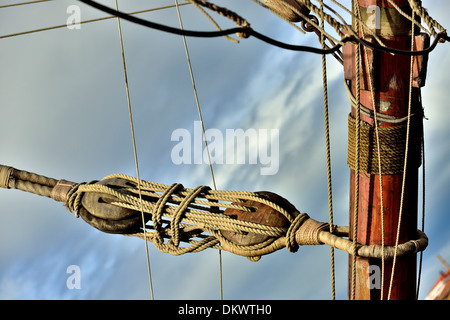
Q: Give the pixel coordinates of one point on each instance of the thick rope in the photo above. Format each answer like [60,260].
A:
[389,153]
[356,148]
[174,213]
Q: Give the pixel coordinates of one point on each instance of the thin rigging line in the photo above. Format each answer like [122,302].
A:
[377,135]
[408,128]
[327,139]
[203,130]
[22,3]
[87,21]
[135,153]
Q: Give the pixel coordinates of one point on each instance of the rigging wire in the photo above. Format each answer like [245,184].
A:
[22,3]
[442,36]
[328,152]
[376,115]
[408,128]
[86,21]
[135,152]
[191,73]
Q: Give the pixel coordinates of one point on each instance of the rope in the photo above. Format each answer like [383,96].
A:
[240,22]
[382,149]
[376,116]
[328,152]
[173,213]
[198,6]
[423,14]
[6,176]
[278,14]
[245,31]
[356,148]
[286,9]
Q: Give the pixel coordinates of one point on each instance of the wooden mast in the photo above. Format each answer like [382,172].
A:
[391,78]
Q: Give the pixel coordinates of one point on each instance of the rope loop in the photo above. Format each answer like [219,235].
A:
[291,243]
[249,224]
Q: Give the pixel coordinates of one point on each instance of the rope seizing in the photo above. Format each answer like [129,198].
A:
[181,220]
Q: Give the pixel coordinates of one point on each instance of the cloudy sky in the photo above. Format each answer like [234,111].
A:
[65,115]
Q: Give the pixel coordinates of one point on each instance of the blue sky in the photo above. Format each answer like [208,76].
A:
[64,115]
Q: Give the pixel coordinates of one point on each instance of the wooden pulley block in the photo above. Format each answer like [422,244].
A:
[100,213]
[282,8]
[99,204]
[260,213]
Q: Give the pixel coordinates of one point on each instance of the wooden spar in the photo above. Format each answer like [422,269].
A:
[391,79]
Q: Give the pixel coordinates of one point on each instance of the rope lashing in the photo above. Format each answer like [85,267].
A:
[181,220]
[233,16]
[392,146]
[290,10]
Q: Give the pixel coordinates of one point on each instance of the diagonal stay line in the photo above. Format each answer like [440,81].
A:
[203,130]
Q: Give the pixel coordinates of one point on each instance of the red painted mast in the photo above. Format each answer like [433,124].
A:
[390,76]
